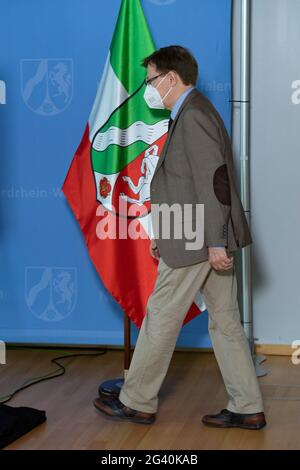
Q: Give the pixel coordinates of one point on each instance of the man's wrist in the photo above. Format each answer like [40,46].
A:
[217,246]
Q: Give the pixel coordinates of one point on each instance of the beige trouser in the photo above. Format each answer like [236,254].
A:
[175,290]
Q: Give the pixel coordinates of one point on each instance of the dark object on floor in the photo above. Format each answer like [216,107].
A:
[111,388]
[15,422]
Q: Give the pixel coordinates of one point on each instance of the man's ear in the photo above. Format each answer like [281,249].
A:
[174,77]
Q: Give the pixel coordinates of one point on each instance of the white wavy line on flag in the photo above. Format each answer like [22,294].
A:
[110,94]
[124,137]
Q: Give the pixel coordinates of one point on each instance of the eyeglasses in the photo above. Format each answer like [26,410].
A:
[149,80]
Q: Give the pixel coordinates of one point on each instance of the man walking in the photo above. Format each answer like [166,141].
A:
[196,167]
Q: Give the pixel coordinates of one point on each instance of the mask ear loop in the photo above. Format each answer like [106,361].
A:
[161,81]
[167,94]
[167,91]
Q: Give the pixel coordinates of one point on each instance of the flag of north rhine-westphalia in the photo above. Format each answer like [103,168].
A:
[111,170]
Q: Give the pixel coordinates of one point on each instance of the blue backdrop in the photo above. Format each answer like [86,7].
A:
[49,289]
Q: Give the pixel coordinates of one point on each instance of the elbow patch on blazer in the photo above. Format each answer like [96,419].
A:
[221,185]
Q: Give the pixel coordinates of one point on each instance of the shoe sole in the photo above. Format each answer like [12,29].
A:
[251,428]
[118,418]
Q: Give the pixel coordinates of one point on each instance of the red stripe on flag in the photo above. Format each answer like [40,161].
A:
[124,265]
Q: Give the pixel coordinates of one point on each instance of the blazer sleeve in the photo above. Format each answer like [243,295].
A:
[204,150]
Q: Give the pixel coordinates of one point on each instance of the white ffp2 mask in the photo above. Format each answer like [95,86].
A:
[153,98]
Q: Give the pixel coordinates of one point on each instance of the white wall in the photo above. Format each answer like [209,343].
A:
[275,165]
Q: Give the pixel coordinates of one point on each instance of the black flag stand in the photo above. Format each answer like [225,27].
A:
[112,387]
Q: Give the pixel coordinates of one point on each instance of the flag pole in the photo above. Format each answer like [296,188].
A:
[112,387]
[127,344]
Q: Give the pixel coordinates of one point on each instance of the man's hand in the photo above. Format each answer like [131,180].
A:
[154,250]
[219,259]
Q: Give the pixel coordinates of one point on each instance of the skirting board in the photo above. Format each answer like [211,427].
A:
[274,349]
[267,349]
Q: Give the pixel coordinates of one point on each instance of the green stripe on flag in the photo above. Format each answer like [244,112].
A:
[112,148]
[113,158]
[132,42]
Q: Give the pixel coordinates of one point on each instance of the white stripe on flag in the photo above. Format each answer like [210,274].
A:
[138,131]
[110,94]
[200,302]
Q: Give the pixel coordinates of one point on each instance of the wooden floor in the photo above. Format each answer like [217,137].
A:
[193,387]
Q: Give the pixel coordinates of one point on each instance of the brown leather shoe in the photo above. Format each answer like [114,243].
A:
[228,419]
[114,408]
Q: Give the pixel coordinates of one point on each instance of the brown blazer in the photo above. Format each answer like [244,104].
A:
[196,166]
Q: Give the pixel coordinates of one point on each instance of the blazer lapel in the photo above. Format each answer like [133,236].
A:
[165,147]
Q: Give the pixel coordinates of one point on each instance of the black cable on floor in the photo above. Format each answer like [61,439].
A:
[52,375]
